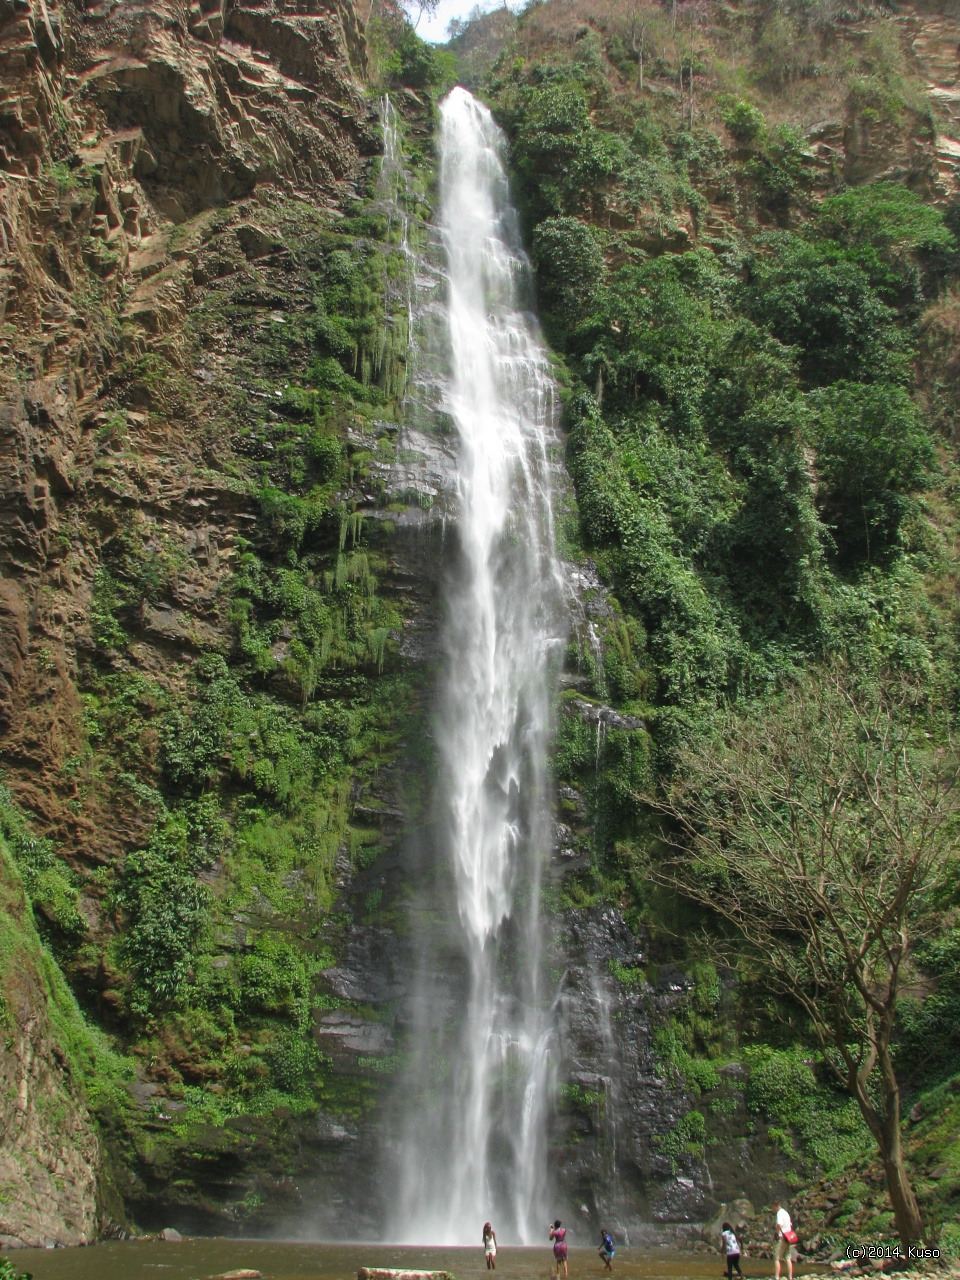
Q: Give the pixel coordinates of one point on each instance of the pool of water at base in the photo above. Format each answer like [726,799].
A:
[196,1259]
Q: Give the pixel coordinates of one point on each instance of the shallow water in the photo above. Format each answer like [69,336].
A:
[198,1258]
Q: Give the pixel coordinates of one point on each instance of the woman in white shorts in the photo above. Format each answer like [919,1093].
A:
[490,1246]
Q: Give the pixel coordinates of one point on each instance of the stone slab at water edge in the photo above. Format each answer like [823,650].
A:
[387,1273]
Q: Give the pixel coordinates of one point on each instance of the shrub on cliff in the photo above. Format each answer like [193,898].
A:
[902,243]
[562,160]
[9,1272]
[414,64]
[873,454]
[570,270]
[166,910]
[815,297]
[745,121]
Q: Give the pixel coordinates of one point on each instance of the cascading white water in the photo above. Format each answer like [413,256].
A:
[482,1073]
[393,192]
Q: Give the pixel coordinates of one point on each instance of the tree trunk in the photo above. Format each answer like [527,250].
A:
[885,1127]
[906,1211]
[690,93]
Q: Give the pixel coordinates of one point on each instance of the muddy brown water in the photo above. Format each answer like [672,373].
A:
[195,1259]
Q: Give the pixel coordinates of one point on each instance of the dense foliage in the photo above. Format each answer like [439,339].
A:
[9,1272]
[236,763]
[757,335]
[758,477]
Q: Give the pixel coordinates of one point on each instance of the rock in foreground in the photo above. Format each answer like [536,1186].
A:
[387,1273]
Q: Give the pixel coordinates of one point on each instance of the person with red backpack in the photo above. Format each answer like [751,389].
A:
[786,1238]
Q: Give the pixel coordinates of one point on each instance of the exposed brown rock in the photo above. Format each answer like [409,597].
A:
[114,119]
[131,136]
[50,1155]
[13,642]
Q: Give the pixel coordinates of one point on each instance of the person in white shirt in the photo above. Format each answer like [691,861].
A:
[490,1246]
[783,1247]
[731,1247]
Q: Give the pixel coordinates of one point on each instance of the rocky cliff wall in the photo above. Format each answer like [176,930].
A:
[218,564]
[153,157]
[117,121]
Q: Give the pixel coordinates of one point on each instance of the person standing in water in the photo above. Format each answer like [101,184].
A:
[731,1247]
[490,1246]
[558,1235]
[783,1241]
[606,1249]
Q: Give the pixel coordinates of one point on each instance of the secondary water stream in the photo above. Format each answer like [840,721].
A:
[482,1075]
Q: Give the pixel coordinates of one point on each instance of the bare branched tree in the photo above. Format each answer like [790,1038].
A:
[689,17]
[428,7]
[822,834]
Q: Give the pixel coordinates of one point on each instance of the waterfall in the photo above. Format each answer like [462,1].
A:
[481,1073]
[394,195]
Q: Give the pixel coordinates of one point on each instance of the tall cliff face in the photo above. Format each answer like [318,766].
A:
[219,554]
[169,177]
[118,122]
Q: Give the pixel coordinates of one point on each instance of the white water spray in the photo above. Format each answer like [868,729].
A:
[473,1142]
[394,193]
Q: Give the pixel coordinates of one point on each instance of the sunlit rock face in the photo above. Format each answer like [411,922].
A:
[145,150]
[117,121]
[227,95]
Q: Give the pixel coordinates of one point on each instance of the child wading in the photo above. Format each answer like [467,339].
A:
[606,1249]
[490,1246]
[731,1248]
[558,1235]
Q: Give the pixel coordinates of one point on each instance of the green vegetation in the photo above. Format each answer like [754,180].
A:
[759,472]
[685,1139]
[93,1071]
[927,1046]
[757,339]
[821,833]
[802,1110]
[239,746]
[50,887]
[400,59]
[9,1272]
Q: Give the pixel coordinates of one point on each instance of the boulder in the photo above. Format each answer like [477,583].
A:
[388,1273]
[736,1212]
